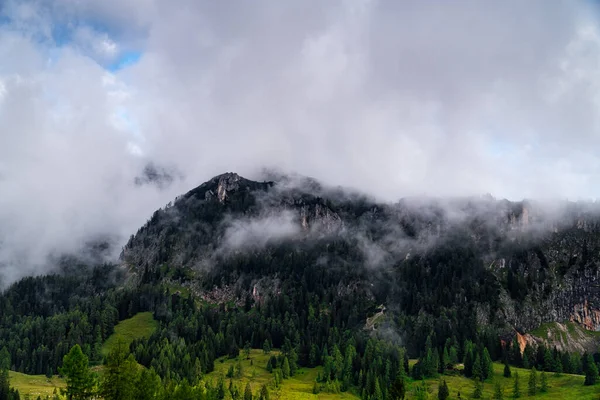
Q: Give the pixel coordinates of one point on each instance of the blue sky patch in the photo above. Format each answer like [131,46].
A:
[124,60]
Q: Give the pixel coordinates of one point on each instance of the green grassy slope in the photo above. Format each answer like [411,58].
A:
[254,371]
[35,385]
[563,387]
[141,325]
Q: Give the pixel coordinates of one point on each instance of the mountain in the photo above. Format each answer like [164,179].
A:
[457,267]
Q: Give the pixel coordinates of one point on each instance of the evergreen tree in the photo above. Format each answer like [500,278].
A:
[285,369]
[591,370]
[248,392]
[468,360]
[398,389]
[532,386]
[478,391]
[264,393]
[498,392]
[487,366]
[377,394]
[516,387]
[446,362]
[443,391]
[120,374]
[4,384]
[477,370]
[267,347]
[543,382]
[549,362]
[80,382]
[506,370]
[149,385]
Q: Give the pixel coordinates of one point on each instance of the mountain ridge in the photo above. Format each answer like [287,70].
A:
[507,265]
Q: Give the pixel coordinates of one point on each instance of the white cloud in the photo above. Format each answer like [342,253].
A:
[395,98]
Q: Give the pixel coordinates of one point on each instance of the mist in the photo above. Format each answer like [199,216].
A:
[394,99]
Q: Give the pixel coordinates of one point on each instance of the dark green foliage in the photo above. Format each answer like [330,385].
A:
[443,391]
[478,390]
[591,370]
[507,372]
[248,392]
[398,389]
[543,382]
[75,369]
[516,393]
[498,392]
[120,375]
[532,384]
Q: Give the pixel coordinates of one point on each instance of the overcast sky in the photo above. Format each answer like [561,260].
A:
[395,98]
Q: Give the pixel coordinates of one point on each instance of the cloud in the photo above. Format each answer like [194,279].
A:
[393,98]
[259,231]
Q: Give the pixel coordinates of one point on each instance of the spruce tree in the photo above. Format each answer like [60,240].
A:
[498,392]
[532,386]
[266,347]
[591,371]
[443,391]
[120,374]
[507,372]
[398,389]
[248,392]
[264,393]
[543,382]
[477,370]
[478,392]
[516,387]
[4,384]
[487,366]
[80,382]
[285,369]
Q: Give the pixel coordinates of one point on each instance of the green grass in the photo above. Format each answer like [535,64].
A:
[35,385]
[139,326]
[254,371]
[563,387]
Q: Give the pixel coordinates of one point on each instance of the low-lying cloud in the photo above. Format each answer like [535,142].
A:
[393,98]
[256,232]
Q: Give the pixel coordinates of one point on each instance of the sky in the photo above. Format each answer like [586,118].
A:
[392,98]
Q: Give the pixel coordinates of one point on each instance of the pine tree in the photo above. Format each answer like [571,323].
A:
[80,382]
[498,392]
[477,370]
[398,389]
[377,394]
[149,385]
[532,386]
[487,366]
[591,371]
[507,372]
[543,382]
[248,392]
[120,374]
[443,391]
[264,393]
[516,387]
[478,392]
[468,360]
[285,369]
[267,347]
[446,362]
[4,384]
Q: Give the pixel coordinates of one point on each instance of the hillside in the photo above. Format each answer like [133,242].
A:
[345,287]
[471,261]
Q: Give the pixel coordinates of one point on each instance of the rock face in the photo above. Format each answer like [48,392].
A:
[543,259]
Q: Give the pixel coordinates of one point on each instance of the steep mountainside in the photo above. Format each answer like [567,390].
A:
[452,266]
